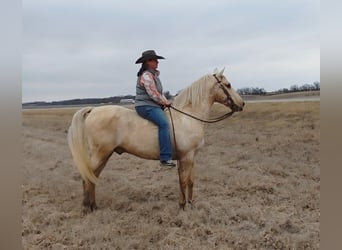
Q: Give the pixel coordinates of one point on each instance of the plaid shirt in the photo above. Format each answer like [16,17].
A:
[147,81]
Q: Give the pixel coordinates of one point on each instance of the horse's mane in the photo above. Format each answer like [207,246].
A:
[192,95]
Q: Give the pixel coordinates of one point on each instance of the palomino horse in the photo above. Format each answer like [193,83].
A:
[97,132]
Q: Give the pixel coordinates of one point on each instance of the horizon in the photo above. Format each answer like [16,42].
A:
[126,95]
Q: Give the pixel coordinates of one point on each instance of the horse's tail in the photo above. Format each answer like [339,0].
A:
[78,147]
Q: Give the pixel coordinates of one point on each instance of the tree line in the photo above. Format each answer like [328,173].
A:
[84,101]
[293,88]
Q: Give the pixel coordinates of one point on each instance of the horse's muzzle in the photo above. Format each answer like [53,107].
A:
[229,102]
[237,108]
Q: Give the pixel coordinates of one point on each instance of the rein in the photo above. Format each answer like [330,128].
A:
[217,119]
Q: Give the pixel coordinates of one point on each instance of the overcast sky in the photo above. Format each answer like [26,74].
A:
[82,48]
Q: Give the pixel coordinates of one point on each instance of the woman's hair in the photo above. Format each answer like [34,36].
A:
[142,69]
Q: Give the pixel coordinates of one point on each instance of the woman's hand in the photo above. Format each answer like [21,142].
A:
[168,103]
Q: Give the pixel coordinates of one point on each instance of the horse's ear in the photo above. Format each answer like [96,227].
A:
[215,71]
[221,72]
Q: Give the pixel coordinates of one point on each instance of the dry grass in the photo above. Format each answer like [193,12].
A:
[257,186]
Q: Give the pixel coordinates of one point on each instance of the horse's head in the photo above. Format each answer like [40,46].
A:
[224,93]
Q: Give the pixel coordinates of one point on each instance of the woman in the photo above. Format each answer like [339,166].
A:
[150,101]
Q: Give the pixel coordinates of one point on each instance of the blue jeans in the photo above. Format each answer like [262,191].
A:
[158,117]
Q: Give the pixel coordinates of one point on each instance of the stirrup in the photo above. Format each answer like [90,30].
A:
[167,163]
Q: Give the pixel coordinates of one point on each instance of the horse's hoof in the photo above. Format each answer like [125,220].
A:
[89,207]
[86,210]
[93,207]
[192,204]
[182,205]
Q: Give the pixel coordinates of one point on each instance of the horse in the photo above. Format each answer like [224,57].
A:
[96,133]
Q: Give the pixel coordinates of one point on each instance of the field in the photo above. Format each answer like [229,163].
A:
[257,186]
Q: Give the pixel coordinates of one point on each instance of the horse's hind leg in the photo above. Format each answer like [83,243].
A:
[89,203]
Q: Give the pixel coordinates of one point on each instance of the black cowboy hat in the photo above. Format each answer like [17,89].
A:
[148,55]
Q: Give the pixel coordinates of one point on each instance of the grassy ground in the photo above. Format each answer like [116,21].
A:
[257,186]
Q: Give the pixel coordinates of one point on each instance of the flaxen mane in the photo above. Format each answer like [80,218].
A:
[193,94]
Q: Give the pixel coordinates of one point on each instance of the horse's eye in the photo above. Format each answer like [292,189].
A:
[229,86]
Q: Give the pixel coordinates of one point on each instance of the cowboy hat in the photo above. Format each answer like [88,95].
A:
[148,55]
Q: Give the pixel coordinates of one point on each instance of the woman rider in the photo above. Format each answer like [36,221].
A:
[150,102]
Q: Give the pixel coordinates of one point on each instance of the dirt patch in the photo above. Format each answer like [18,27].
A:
[257,186]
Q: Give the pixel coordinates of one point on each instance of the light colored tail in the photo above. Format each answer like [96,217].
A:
[78,147]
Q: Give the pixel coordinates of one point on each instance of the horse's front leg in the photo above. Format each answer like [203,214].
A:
[182,183]
[184,172]
[190,186]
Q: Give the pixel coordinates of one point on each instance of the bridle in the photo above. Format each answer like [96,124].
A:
[217,119]
[229,98]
